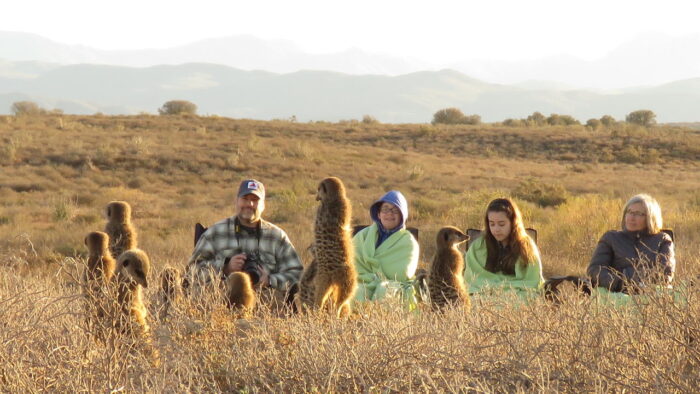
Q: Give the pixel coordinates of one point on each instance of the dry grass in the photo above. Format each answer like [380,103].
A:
[56,177]
[497,347]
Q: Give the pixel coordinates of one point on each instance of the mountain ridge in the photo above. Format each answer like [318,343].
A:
[325,95]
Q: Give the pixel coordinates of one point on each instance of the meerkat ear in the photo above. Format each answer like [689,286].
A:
[446,235]
[85,241]
[109,212]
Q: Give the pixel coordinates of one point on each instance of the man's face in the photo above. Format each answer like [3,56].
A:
[248,208]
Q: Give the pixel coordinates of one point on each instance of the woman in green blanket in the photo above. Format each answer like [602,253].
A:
[386,254]
[503,258]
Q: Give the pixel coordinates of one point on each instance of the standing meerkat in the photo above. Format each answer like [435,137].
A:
[240,293]
[335,279]
[132,275]
[133,267]
[445,282]
[122,234]
[97,277]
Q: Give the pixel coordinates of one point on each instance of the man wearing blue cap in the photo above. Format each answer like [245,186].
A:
[245,242]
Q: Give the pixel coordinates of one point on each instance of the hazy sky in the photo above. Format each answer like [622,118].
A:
[435,30]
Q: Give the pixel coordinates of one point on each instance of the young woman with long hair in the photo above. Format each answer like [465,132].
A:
[504,257]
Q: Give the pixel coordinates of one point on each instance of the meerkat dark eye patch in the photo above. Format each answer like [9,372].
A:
[126,263]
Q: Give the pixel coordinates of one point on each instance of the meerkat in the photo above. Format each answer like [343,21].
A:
[335,277]
[305,297]
[445,282]
[97,277]
[133,267]
[240,293]
[122,234]
[132,277]
[171,289]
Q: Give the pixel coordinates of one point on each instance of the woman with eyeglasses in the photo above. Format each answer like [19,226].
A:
[504,258]
[386,254]
[637,256]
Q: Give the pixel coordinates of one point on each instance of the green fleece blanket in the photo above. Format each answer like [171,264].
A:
[386,271]
[606,297]
[480,281]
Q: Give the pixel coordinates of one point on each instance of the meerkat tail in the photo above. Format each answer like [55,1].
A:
[240,293]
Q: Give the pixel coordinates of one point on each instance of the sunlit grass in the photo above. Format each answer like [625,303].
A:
[56,177]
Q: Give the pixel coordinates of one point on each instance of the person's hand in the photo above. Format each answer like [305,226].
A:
[235,264]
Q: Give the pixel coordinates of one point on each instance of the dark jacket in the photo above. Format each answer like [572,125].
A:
[637,257]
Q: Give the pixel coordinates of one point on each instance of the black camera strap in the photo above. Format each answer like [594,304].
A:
[237,228]
[237,224]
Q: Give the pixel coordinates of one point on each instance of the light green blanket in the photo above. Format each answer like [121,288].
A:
[527,279]
[386,271]
[606,297]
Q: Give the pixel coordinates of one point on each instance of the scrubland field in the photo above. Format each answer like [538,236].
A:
[58,172]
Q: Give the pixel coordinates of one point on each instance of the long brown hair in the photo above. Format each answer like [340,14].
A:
[518,240]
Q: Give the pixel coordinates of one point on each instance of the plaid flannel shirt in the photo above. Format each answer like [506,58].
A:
[221,242]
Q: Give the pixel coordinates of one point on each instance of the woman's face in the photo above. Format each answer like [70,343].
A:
[499,225]
[389,216]
[636,217]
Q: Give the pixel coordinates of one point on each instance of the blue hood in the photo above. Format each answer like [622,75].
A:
[395,197]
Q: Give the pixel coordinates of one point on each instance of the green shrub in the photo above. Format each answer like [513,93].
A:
[607,121]
[454,116]
[542,194]
[26,108]
[630,154]
[642,117]
[510,122]
[178,107]
[63,210]
[593,124]
[537,119]
[368,119]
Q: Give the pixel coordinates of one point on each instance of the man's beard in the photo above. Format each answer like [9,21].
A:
[249,216]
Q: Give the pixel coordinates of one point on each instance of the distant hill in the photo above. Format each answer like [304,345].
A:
[646,60]
[244,52]
[321,95]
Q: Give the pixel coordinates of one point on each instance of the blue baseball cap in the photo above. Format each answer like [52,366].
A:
[251,186]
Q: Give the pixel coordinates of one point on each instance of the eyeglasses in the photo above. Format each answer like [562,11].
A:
[393,211]
[636,214]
